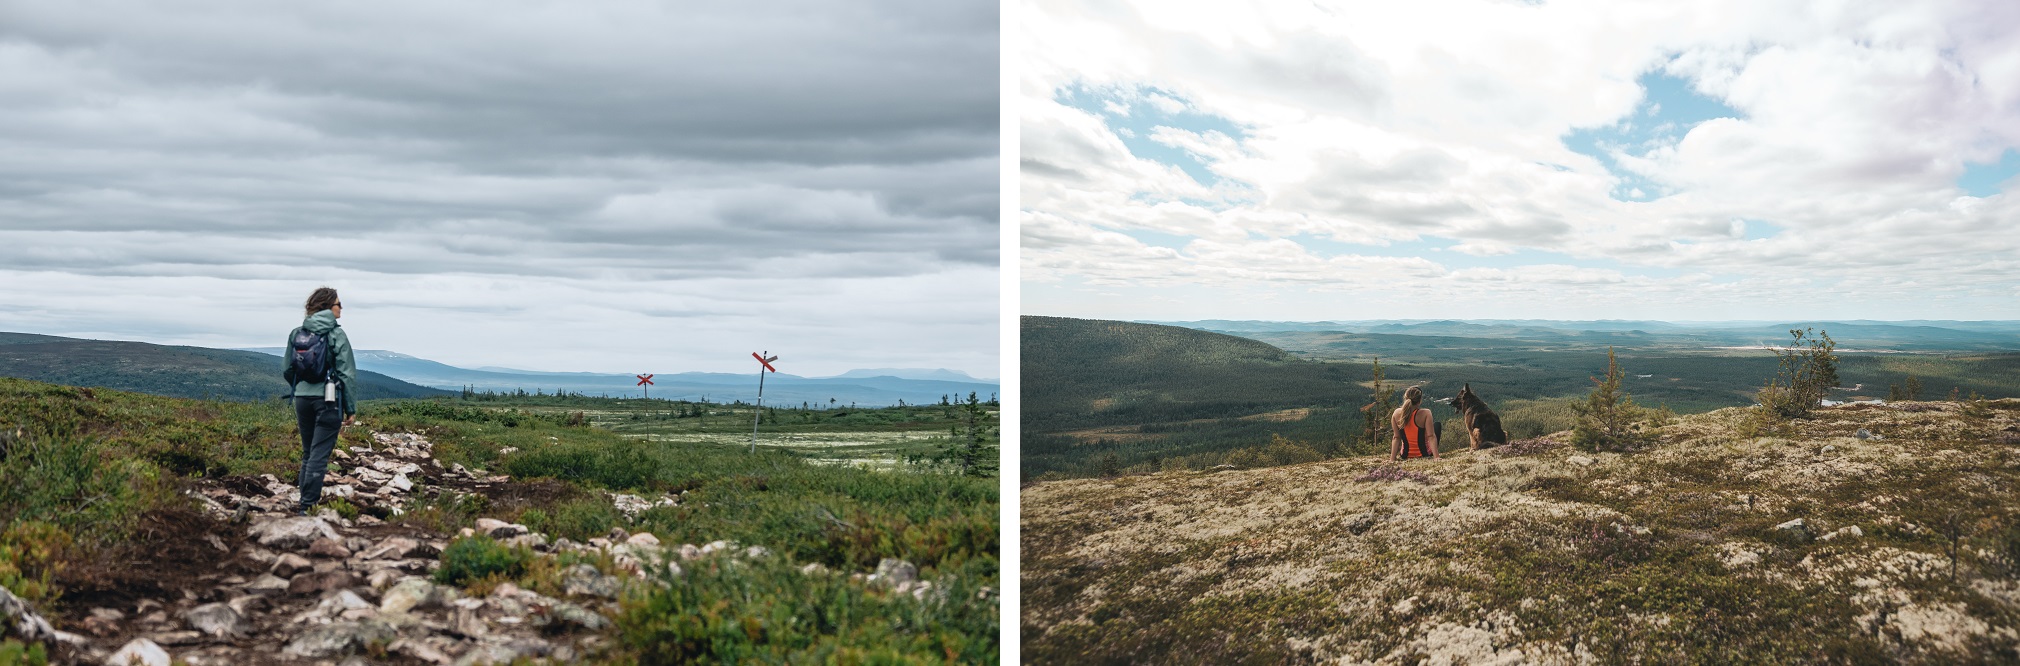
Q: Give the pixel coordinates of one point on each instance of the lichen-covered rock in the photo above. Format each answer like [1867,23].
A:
[891,572]
[292,533]
[415,593]
[216,619]
[339,638]
[583,579]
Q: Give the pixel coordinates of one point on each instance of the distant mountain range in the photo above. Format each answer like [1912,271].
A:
[863,387]
[252,374]
[1868,335]
[184,372]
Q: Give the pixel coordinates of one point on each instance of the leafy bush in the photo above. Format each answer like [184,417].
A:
[13,653]
[1609,420]
[724,610]
[446,511]
[580,520]
[342,506]
[472,558]
[69,482]
[31,555]
[1808,370]
[621,464]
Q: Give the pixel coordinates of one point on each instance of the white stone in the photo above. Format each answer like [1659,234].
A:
[643,539]
[139,652]
[1580,461]
[400,481]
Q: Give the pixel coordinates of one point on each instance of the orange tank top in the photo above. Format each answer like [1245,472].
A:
[1410,428]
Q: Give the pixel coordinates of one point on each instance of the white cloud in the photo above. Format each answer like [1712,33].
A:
[1378,124]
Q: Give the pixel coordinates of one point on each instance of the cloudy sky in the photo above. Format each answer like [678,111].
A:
[1491,159]
[620,186]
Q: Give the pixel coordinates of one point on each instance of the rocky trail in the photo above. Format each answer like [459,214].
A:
[247,582]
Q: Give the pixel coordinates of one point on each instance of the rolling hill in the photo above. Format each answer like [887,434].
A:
[183,372]
[720,387]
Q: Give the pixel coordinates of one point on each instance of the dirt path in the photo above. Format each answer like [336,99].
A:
[245,582]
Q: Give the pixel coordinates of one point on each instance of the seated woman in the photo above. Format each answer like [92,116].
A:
[1414,436]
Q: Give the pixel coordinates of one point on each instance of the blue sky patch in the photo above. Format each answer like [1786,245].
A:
[1669,109]
[1135,116]
[1982,180]
[1757,230]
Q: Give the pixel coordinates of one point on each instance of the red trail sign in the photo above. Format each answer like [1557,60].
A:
[645,380]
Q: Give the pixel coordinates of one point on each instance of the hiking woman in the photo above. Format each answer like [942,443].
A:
[315,362]
[1411,423]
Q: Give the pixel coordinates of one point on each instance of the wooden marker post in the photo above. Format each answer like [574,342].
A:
[765,361]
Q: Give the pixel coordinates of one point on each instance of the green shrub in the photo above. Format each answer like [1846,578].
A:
[31,555]
[622,464]
[580,520]
[1806,374]
[470,559]
[446,511]
[342,506]
[13,653]
[68,481]
[725,610]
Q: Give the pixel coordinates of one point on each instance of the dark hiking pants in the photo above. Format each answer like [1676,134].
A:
[319,422]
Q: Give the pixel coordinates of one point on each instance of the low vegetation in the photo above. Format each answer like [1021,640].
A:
[1704,546]
[83,472]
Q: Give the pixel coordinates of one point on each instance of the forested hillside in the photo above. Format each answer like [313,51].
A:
[182,372]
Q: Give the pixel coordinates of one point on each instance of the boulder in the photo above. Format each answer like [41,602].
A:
[1796,525]
[1580,461]
[534,540]
[267,584]
[894,571]
[321,582]
[498,529]
[215,619]
[413,593]
[583,579]
[393,548]
[339,638]
[330,548]
[567,613]
[139,652]
[643,539]
[401,483]
[289,564]
[292,533]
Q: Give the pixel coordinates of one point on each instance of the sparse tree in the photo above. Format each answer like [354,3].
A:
[1914,387]
[1375,415]
[1608,419]
[1808,371]
[968,448]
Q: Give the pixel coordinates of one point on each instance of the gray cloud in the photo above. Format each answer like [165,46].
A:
[623,147]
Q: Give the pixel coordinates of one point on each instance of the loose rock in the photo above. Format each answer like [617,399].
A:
[139,652]
[216,619]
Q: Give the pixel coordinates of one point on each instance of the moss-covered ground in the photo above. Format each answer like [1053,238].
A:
[1908,552]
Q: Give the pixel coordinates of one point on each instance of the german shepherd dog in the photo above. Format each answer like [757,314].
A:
[1481,423]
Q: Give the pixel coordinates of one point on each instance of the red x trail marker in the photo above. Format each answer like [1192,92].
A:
[766,361]
[645,380]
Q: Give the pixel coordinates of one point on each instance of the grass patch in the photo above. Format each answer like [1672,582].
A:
[728,610]
[474,558]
